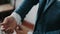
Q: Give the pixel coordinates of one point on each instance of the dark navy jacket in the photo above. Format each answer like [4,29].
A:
[48,15]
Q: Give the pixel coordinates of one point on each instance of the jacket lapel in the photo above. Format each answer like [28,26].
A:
[48,4]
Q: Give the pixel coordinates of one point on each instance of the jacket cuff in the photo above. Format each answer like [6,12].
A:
[17,17]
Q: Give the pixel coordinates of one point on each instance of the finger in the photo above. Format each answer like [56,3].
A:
[5,21]
[9,30]
[2,28]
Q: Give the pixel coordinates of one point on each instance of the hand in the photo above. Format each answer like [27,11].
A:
[20,30]
[9,24]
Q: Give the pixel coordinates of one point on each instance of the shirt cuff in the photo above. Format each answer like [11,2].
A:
[17,17]
[30,32]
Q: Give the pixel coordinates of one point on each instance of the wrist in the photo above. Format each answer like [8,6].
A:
[17,17]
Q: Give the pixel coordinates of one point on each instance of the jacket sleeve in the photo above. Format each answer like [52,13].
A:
[25,7]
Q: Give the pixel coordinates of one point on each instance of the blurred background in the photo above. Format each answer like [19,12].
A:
[8,6]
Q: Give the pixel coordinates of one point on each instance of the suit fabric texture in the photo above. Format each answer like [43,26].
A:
[48,15]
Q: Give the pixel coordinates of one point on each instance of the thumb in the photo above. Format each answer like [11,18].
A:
[5,21]
[2,23]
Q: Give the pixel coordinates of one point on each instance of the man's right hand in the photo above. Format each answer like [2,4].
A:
[8,25]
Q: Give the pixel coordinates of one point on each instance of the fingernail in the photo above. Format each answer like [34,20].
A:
[17,27]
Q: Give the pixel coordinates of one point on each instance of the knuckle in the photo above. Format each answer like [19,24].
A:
[6,18]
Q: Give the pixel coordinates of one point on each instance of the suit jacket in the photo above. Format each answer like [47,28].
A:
[48,15]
